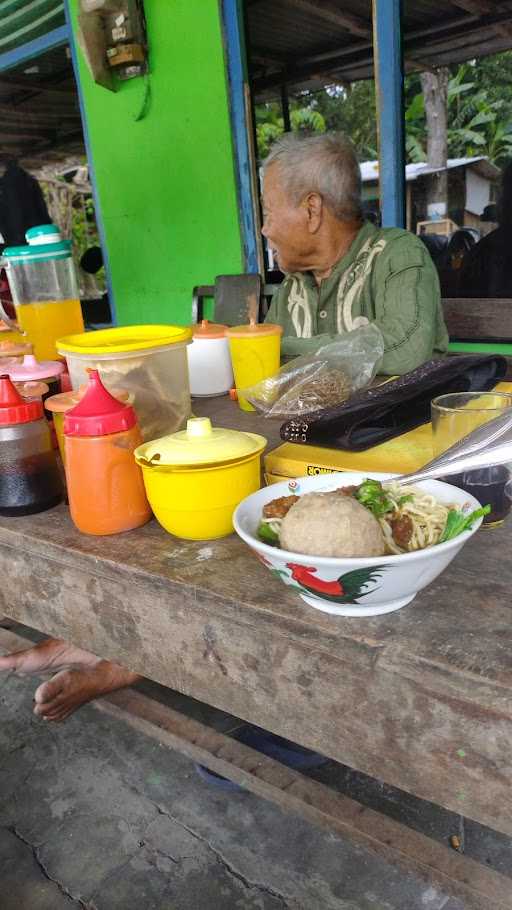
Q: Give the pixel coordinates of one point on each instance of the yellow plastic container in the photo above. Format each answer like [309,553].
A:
[255,355]
[195,479]
[149,361]
[59,405]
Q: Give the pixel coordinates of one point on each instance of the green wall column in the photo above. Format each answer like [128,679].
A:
[166,183]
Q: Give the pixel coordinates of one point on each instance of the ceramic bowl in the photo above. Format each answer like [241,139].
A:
[365,586]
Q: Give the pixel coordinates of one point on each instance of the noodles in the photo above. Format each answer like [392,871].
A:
[427,515]
[409,518]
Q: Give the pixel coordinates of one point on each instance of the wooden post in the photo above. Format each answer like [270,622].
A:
[408,205]
[98,212]
[244,161]
[285,107]
[388,69]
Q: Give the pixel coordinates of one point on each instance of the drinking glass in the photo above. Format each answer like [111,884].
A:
[454,416]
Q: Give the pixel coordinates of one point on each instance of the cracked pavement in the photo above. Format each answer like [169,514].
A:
[96,816]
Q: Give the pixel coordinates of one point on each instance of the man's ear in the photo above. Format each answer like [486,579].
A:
[313,205]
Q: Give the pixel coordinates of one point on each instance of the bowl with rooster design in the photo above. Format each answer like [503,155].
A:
[362,586]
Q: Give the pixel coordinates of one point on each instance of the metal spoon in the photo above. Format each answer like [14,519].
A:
[488,445]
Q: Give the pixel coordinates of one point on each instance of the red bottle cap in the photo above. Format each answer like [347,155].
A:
[14,408]
[98,413]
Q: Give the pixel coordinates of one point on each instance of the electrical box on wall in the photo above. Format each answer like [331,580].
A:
[112,35]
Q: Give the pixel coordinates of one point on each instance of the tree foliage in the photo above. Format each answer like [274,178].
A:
[269,123]
[479,113]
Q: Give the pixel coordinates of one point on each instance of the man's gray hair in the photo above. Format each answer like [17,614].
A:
[325,164]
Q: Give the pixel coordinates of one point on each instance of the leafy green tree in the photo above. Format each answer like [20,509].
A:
[479,123]
[479,113]
[269,124]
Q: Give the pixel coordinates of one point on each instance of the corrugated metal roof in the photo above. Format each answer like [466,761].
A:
[23,20]
[39,108]
[308,44]
[303,43]
[370,169]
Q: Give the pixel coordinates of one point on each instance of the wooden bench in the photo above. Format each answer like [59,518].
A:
[478,324]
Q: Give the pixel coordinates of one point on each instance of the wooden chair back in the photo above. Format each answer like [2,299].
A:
[236,299]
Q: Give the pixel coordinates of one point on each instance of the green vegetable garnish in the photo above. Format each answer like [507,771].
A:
[372,495]
[457,522]
[267,535]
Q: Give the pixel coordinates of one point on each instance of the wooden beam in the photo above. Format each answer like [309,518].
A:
[484,8]
[505,28]
[22,115]
[21,138]
[332,14]
[477,7]
[34,86]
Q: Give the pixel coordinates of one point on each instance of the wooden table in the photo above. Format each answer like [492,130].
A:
[421,699]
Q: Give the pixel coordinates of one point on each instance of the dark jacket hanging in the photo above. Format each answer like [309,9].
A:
[22,204]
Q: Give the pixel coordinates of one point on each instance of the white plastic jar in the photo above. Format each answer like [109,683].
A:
[209,361]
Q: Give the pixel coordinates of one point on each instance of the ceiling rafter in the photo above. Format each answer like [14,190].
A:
[478,7]
[484,8]
[335,16]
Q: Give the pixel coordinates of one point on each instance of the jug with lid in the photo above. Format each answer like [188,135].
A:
[30,480]
[44,288]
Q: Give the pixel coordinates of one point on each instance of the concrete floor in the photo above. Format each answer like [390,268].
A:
[96,816]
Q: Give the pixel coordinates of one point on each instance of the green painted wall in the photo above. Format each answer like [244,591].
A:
[166,184]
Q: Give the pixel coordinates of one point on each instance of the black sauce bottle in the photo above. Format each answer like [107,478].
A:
[30,480]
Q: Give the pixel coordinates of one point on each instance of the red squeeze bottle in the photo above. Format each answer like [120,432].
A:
[105,486]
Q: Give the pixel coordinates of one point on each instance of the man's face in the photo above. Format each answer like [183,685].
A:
[285,225]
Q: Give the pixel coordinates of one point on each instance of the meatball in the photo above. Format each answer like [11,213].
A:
[327,524]
[278,508]
[402,529]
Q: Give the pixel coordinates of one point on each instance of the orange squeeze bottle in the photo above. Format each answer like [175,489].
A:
[105,486]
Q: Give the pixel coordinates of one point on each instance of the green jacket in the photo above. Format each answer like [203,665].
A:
[386,277]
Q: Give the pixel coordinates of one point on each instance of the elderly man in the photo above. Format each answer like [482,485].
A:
[341,272]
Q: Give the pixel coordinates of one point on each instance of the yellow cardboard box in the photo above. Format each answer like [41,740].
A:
[402,454]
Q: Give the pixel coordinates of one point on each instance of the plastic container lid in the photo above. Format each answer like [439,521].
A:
[98,413]
[207,329]
[32,389]
[200,444]
[38,252]
[64,401]
[43,233]
[44,242]
[30,368]
[13,408]
[11,349]
[123,339]
[254,330]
